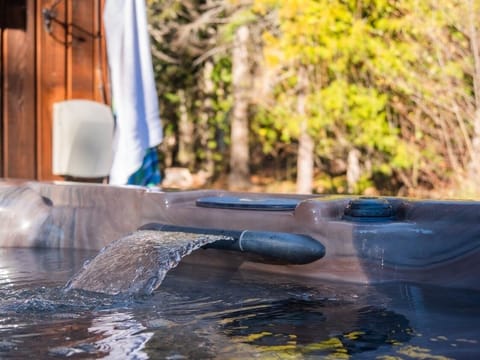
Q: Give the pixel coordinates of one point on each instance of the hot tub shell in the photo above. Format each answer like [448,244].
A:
[426,241]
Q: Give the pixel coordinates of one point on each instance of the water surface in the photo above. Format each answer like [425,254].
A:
[206,313]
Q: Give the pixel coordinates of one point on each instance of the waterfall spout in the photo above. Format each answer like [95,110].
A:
[137,263]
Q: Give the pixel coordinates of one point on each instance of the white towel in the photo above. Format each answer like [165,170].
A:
[135,102]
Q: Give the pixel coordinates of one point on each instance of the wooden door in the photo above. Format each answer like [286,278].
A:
[17,94]
[50,50]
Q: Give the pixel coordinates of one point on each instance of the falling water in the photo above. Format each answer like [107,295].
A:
[137,263]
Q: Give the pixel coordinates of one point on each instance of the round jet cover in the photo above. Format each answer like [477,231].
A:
[369,209]
[245,203]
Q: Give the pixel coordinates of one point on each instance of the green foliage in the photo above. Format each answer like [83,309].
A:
[241,17]
[384,77]
[343,45]
[221,99]
[182,34]
[391,79]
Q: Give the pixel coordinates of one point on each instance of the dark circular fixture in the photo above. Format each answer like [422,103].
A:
[369,209]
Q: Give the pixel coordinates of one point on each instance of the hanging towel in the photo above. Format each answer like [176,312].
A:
[138,126]
[149,174]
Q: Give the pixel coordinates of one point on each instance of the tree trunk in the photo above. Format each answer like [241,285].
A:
[474,166]
[353,170]
[305,156]
[185,132]
[205,133]
[239,178]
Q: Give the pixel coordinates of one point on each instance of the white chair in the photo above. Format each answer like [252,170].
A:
[82,139]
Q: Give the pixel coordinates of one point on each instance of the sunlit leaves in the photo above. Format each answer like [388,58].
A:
[346,47]
[391,79]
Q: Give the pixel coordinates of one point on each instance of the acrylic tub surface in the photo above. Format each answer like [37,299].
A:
[366,240]
[220,304]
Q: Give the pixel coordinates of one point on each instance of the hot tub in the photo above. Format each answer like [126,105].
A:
[365,240]
[396,278]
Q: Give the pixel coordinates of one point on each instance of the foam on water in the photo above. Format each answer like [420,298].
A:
[137,263]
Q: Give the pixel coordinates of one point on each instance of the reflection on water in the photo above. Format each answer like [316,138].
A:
[203,313]
[316,328]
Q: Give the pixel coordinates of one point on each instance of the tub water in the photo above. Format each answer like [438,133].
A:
[206,313]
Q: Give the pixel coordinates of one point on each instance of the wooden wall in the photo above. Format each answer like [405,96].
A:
[42,63]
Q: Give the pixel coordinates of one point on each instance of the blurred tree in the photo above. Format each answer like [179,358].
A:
[391,87]
[197,45]
[305,161]
[193,72]
[435,90]
[376,93]
[239,177]
[330,44]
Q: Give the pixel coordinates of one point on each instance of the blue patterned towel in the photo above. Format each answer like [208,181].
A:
[149,172]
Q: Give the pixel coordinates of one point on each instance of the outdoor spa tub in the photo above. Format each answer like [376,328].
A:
[341,238]
[97,271]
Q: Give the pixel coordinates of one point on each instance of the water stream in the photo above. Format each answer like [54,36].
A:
[137,263]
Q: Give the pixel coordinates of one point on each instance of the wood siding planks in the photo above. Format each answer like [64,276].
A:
[18,92]
[83,49]
[40,67]
[51,82]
